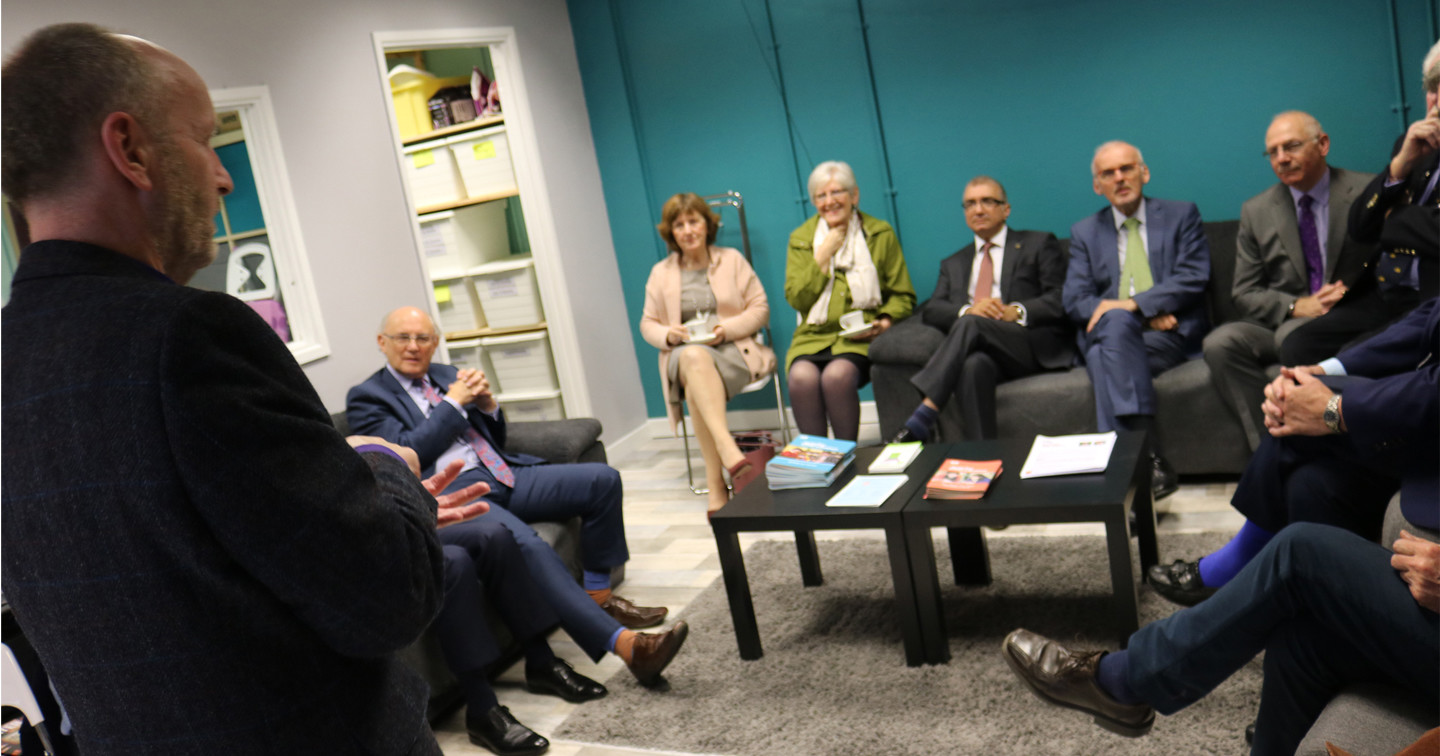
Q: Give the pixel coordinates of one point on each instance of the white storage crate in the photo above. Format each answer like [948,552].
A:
[455,240]
[521,362]
[532,407]
[430,170]
[508,293]
[459,308]
[466,354]
[483,158]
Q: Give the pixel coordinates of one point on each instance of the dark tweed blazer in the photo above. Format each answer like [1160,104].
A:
[203,564]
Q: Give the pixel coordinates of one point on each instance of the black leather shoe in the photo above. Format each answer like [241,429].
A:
[1180,582]
[654,651]
[632,616]
[1065,679]
[561,679]
[500,732]
[1163,480]
[1250,734]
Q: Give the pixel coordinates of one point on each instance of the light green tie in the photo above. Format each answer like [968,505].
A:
[1136,271]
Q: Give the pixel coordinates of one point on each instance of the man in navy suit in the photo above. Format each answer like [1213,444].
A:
[1001,313]
[1139,314]
[1374,408]
[446,415]
[202,563]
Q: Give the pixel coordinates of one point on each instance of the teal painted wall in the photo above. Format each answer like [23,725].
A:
[686,96]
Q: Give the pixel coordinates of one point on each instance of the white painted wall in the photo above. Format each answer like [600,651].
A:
[318,60]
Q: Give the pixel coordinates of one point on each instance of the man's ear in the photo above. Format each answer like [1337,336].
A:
[130,149]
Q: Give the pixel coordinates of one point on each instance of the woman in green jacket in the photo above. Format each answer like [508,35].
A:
[840,261]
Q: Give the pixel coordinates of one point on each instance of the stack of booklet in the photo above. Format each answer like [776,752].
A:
[962,479]
[809,462]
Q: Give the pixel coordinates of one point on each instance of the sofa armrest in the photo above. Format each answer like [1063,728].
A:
[1367,719]
[557,441]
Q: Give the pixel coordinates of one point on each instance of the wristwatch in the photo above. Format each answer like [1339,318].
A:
[1290,313]
[1332,414]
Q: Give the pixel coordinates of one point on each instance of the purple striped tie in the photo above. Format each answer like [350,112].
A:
[475,441]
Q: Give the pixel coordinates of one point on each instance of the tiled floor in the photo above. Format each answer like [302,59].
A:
[673,558]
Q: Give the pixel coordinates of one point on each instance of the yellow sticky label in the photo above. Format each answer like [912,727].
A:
[423,158]
[442,294]
[484,150]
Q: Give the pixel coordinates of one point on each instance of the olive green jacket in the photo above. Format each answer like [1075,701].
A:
[804,281]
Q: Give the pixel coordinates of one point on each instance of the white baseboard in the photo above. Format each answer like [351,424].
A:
[755,419]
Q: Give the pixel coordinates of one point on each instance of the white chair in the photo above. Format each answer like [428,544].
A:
[720,201]
[15,691]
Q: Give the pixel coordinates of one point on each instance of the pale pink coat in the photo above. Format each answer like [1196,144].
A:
[740,305]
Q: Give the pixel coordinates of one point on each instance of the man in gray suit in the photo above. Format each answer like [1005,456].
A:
[1294,262]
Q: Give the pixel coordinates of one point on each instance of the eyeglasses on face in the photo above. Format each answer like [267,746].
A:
[1292,147]
[1125,171]
[419,339]
[989,203]
[831,195]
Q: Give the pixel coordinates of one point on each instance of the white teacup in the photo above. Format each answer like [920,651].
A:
[699,328]
[852,320]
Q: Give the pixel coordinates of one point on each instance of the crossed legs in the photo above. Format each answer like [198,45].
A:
[705,392]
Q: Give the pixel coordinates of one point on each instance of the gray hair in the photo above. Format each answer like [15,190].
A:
[982,179]
[1095,160]
[831,170]
[1310,124]
[1430,69]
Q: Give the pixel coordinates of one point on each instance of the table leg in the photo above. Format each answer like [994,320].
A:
[929,610]
[1143,505]
[969,556]
[916,653]
[737,588]
[1122,577]
[809,558]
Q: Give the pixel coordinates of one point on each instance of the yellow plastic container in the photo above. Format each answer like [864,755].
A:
[412,102]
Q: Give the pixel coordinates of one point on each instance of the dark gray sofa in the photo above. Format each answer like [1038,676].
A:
[1199,434]
[557,441]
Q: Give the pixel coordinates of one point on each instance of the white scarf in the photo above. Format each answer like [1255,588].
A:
[853,257]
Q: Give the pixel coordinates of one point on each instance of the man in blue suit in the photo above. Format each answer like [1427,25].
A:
[1139,314]
[446,414]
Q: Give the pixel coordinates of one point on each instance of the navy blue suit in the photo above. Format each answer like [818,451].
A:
[542,492]
[202,563]
[1390,396]
[1121,353]
[486,560]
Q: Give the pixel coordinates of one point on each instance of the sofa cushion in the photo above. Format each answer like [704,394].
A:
[1369,720]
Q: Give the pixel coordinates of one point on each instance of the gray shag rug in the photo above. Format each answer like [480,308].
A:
[833,678]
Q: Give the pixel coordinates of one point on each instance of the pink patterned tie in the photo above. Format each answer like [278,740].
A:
[475,441]
[985,279]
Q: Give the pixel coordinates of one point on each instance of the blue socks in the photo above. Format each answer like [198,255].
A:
[921,421]
[596,581]
[1112,675]
[1218,568]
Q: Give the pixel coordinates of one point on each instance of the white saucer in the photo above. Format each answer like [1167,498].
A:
[706,339]
[852,333]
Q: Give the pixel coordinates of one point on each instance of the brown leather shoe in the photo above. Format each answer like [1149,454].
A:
[652,652]
[1065,679]
[632,616]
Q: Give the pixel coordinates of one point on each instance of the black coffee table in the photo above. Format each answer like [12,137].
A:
[803,510]
[1102,497]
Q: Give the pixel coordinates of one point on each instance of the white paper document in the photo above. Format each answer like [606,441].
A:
[867,491]
[1068,455]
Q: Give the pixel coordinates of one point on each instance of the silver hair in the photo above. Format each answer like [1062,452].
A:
[832,170]
[1094,161]
[1309,123]
[1430,69]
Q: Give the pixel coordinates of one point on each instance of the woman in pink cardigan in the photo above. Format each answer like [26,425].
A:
[703,306]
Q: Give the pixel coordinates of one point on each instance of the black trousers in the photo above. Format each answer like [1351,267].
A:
[1349,322]
[977,354]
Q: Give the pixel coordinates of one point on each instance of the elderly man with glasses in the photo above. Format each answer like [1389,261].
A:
[998,300]
[446,414]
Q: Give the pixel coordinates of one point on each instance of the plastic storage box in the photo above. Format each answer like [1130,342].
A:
[467,354]
[455,298]
[457,240]
[483,158]
[521,362]
[532,407]
[411,90]
[430,170]
[508,293]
